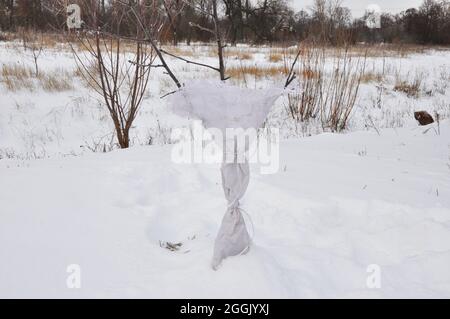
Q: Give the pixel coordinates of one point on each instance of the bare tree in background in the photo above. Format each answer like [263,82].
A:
[330,95]
[211,10]
[33,42]
[118,70]
[234,11]
[174,8]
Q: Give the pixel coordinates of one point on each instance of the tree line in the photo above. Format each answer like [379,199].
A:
[244,21]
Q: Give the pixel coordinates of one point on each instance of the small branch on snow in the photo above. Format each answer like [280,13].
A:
[167,94]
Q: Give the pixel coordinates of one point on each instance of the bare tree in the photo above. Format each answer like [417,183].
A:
[209,8]
[234,12]
[173,9]
[212,11]
[33,42]
[120,76]
[331,95]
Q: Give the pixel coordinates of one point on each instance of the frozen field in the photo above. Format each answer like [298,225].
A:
[376,194]
[39,122]
[339,204]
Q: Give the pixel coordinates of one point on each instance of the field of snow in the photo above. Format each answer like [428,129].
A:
[39,123]
[339,203]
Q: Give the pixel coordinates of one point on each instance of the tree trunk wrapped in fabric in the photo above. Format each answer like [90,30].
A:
[224,106]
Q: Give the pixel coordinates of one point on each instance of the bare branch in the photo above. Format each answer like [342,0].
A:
[152,42]
[195,25]
[291,75]
[190,62]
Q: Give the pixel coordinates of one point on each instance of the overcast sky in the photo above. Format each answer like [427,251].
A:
[358,6]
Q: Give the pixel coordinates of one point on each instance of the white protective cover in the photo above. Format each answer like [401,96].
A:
[220,105]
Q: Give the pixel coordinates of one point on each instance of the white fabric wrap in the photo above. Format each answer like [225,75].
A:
[223,106]
[233,238]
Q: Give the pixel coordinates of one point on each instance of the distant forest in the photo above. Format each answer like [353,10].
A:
[245,21]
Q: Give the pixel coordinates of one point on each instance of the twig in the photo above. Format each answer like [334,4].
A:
[190,62]
[291,75]
[201,28]
[167,94]
[373,125]
[153,44]
[146,65]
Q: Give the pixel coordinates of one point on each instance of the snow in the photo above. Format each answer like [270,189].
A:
[40,124]
[339,204]
[224,106]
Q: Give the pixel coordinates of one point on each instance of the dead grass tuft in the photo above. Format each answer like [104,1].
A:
[238,55]
[253,71]
[18,77]
[368,77]
[310,74]
[56,81]
[411,89]
[181,51]
[275,57]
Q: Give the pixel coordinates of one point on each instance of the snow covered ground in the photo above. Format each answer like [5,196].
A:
[339,204]
[37,123]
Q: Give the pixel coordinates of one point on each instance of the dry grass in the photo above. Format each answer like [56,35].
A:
[211,52]
[245,72]
[37,39]
[370,51]
[56,81]
[411,89]
[411,86]
[51,41]
[83,44]
[7,36]
[238,55]
[244,56]
[289,51]
[309,74]
[376,50]
[369,77]
[275,57]
[18,77]
[16,70]
[88,75]
[181,51]
[126,46]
